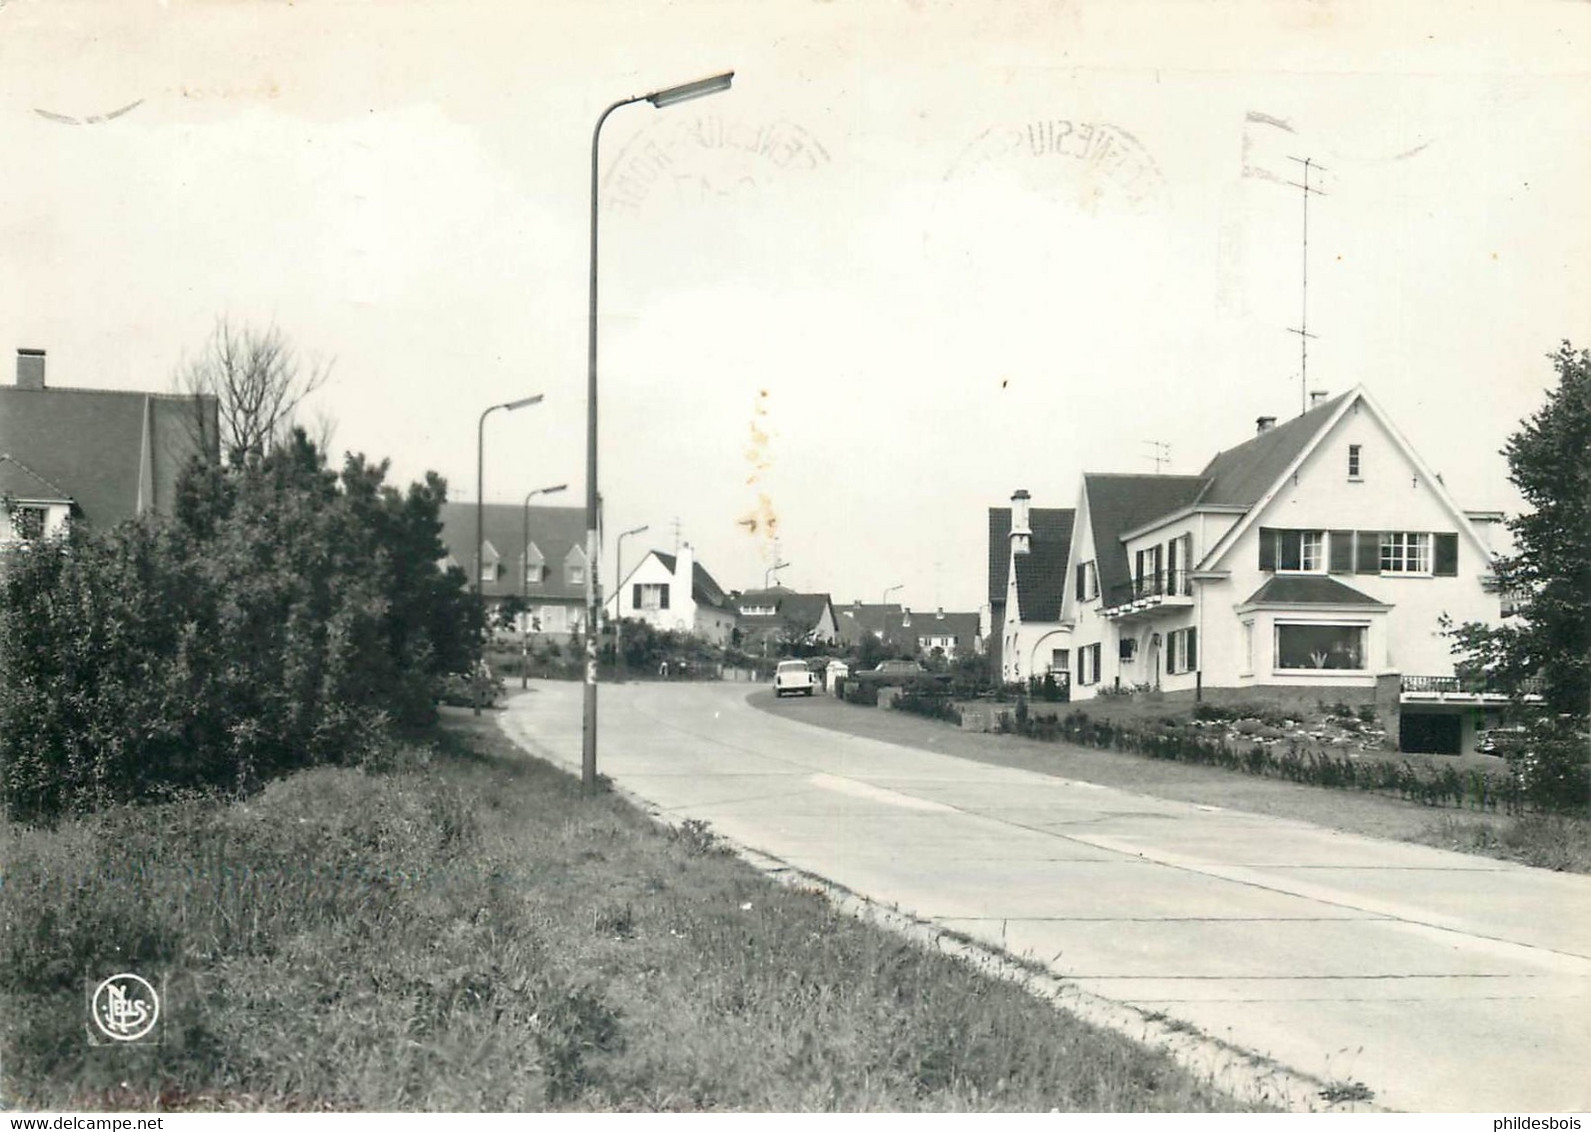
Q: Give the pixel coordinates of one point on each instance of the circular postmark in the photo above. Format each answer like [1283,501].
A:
[1089,163]
[699,156]
[125,1007]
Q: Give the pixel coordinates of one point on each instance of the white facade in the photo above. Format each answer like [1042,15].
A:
[667,599]
[24,521]
[1365,555]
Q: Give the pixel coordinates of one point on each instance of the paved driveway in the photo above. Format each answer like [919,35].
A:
[1444,982]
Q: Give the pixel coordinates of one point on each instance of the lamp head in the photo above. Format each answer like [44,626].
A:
[523,402]
[687,91]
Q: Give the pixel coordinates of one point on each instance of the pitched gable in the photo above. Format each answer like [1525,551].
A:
[117,452]
[1040,573]
[1242,475]
[1120,503]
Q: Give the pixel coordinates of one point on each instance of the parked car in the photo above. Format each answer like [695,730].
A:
[900,674]
[794,677]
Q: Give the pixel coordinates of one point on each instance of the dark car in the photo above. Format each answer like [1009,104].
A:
[900,674]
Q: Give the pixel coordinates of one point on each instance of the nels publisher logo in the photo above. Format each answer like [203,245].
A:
[124,1008]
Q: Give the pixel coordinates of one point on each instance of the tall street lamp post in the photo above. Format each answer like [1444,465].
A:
[618,599]
[480,509]
[659,99]
[524,584]
[883,615]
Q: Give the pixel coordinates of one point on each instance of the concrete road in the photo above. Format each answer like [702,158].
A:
[1442,981]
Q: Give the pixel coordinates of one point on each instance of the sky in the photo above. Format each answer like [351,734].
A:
[919,256]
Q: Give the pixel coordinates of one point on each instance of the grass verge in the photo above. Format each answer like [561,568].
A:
[462,931]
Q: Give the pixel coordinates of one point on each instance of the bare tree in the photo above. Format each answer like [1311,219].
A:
[258,383]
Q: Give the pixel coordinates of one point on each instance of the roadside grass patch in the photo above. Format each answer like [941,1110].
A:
[1546,841]
[465,931]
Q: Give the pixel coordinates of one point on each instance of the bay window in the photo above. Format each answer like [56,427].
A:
[1304,646]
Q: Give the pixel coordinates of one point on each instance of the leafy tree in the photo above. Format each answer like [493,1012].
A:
[1550,570]
[284,617]
[1549,574]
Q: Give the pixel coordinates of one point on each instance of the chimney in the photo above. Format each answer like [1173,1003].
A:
[1021,532]
[684,574]
[905,617]
[939,614]
[1263,424]
[30,369]
[1316,396]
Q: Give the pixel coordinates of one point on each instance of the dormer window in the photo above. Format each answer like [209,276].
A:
[535,566]
[1353,462]
[576,573]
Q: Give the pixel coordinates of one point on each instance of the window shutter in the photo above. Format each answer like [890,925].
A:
[1341,557]
[1192,659]
[1267,549]
[1368,557]
[662,601]
[635,596]
[1446,561]
[1079,581]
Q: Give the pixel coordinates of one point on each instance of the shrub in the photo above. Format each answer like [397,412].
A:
[285,617]
[928,704]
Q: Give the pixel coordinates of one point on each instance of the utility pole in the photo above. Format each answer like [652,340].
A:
[1302,329]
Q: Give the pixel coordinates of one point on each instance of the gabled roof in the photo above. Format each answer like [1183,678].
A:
[1309,589]
[803,610]
[936,624]
[22,483]
[1040,573]
[1242,475]
[117,453]
[704,589]
[554,530]
[1279,460]
[1119,503]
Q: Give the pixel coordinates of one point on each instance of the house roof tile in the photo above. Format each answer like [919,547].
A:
[554,531]
[705,590]
[20,482]
[1040,573]
[1119,503]
[1308,589]
[1243,474]
[92,444]
[805,610]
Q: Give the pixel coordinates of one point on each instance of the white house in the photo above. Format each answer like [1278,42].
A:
[1027,580]
[1315,561]
[674,591]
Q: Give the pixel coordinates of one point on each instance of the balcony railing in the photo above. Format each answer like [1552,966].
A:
[1167,583]
[1468,686]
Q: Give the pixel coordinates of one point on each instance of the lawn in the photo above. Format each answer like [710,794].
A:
[1546,841]
[460,930]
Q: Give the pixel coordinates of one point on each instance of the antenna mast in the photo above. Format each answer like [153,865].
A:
[1161,453]
[1302,329]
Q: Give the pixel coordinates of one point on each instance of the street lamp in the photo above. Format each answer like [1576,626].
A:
[775,568]
[883,615]
[618,599]
[480,507]
[669,96]
[524,585]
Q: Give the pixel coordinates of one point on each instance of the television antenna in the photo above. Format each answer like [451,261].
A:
[1302,329]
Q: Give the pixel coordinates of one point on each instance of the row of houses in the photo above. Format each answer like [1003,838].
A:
[537,555]
[1317,561]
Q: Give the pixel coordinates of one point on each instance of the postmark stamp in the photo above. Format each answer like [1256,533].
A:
[695,157]
[1091,164]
